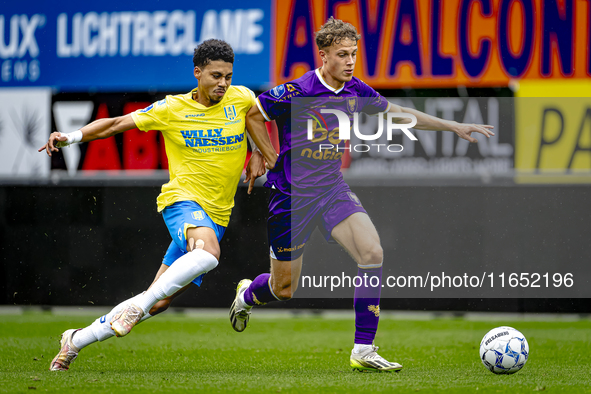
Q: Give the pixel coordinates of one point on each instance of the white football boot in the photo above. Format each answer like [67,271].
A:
[124,321]
[240,310]
[68,352]
[369,360]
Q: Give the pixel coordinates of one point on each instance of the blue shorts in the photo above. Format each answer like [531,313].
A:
[292,219]
[179,217]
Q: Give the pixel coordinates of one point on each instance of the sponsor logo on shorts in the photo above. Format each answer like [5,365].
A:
[103,318]
[281,249]
[180,234]
[198,215]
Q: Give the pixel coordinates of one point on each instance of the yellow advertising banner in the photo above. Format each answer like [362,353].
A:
[553,133]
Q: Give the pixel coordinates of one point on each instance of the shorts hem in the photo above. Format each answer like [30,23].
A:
[328,231]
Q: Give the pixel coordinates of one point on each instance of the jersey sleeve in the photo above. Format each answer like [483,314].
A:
[276,102]
[247,97]
[373,102]
[153,117]
[252,98]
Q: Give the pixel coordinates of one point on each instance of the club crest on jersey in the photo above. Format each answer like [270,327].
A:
[278,91]
[197,215]
[354,198]
[230,112]
[352,104]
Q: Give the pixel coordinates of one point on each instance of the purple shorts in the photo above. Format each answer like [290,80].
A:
[292,219]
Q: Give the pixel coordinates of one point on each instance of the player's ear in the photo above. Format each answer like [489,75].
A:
[197,73]
[322,53]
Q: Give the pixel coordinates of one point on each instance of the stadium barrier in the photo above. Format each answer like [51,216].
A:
[97,245]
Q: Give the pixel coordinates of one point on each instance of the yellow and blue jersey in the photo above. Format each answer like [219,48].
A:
[206,148]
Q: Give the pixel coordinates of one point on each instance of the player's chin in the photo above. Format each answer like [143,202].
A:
[216,98]
[347,76]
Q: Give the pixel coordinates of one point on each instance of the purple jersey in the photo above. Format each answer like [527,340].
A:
[302,167]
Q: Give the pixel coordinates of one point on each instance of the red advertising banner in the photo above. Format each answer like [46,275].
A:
[441,43]
[129,153]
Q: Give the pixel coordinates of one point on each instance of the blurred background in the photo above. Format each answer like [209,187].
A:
[81,228]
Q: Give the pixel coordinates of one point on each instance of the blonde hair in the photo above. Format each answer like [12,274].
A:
[334,31]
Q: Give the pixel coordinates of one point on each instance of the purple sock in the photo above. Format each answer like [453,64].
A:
[367,305]
[259,291]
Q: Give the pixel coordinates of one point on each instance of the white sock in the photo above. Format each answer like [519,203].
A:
[100,329]
[178,275]
[84,338]
[88,335]
[359,347]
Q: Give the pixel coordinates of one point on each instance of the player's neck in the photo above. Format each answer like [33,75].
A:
[332,82]
[202,98]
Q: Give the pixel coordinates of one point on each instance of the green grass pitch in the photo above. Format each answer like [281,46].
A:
[180,353]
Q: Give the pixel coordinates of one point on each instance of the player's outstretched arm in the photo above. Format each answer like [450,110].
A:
[255,124]
[428,122]
[100,128]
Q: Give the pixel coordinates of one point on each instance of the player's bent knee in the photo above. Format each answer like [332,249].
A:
[283,294]
[202,263]
[214,251]
[373,256]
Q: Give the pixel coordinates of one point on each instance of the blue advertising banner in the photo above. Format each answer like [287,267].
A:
[128,46]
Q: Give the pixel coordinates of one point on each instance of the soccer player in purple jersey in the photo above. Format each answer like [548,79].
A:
[308,191]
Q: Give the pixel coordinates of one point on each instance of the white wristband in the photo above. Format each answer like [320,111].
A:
[73,138]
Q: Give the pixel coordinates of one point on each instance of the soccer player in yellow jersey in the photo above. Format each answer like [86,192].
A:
[205,137]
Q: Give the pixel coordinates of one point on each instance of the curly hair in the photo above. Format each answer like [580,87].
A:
[212,50]
[334,31]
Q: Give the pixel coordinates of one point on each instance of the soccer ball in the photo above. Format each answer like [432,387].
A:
[504,350]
